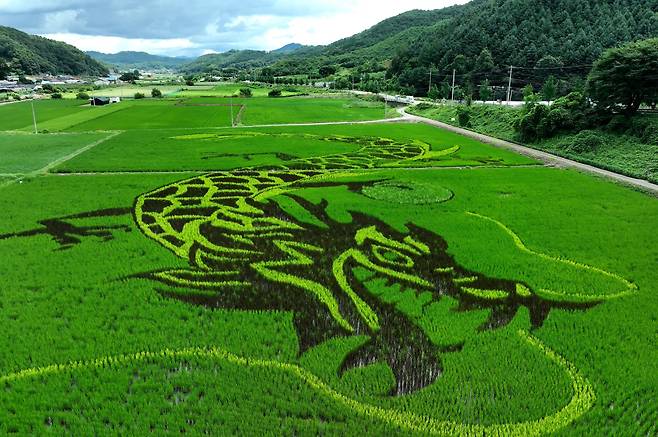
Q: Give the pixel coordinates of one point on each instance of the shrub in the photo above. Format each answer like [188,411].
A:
[82,96]
[56,95]
[156,93]
[139,96]
[618,124]
[245,92]
[423,106]
[586,141]
[650,134]
[274,93]
[189,82]
[464,116]
[569,113]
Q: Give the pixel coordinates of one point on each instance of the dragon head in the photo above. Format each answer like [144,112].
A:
[247,250]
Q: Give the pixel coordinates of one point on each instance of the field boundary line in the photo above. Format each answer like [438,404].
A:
[31,132]
[545,157]
[329,123]
[44,170]
[247,126]
[15,101]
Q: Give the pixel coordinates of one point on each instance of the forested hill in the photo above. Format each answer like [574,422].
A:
[233,59]
[389,28]
[30,54]
[369,49]
[525,32]
[239,60]
[138,60]
[480,40]
[540,38]
[372,46]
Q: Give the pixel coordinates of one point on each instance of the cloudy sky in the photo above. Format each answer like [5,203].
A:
[194,27]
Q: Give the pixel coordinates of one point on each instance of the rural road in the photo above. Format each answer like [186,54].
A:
[536,154]
[402,118]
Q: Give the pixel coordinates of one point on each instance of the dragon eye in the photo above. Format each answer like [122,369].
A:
[393,257]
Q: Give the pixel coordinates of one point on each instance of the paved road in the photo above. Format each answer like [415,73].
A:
[537,154]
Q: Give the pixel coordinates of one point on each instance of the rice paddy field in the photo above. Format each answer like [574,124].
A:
[233,89]
[164,272]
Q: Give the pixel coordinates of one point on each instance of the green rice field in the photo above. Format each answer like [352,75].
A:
[164,272]
[183,113]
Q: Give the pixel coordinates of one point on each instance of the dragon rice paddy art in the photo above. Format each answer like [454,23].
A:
[253,242]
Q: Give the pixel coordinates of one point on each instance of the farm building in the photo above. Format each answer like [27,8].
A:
[102,101]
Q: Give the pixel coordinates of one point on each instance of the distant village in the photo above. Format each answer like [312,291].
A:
[35,83]
[31,84]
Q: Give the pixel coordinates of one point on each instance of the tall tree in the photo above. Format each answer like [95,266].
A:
[4,70]
[460,64]
[626,77]
[435,93]
[484,63]
[549,90]
[485,91]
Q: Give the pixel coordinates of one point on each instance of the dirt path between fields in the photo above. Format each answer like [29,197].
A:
[14,101]
[545,157]
[402,118]
[44,170]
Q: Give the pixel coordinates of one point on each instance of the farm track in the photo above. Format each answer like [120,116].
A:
[45,169]
[545,157]
[331,123]
[14,101]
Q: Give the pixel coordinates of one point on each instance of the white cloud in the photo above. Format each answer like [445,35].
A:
[358,16]
[23,6]
[60,21]
[251,22]
[192,27]
[113,44]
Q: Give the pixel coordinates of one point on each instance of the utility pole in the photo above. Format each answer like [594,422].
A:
[509,87]
[385,106]
[34,117]
[430,87]
[454,73]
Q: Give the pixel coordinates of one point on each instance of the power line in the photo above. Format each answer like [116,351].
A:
[501,71]
[564,67]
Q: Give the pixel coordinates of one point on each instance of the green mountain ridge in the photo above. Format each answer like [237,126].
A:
[372,45]
[538,37]
[479,39]
[30,54]
[241,60]
[131,60]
